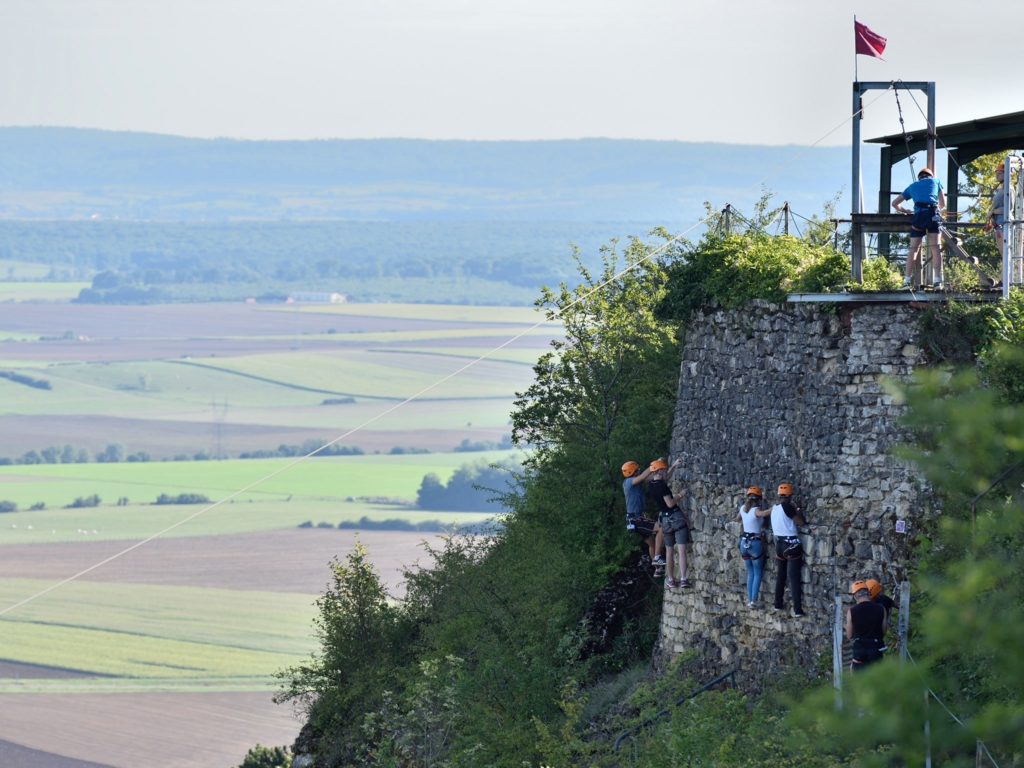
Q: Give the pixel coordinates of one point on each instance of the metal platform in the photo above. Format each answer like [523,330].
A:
[904,297]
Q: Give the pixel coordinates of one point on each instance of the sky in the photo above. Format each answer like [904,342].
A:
[733,71]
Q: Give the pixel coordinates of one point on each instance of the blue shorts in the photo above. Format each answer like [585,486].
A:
[925,220]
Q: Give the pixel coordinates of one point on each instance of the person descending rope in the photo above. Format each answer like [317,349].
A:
[673,523]
[929,204]
[636,517]
[752,541]
[789,551]
[865,626]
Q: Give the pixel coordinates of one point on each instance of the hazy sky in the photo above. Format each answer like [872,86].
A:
[741,71]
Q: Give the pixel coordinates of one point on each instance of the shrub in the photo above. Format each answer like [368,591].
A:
[182,498]
[267,757]
[731,271]
[8,506]
[878,275]
[84,501]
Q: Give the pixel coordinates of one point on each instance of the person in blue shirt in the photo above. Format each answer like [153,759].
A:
[929,204]
[636,517]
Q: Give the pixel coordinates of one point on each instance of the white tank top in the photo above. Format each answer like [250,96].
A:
[751,522]
[783,524]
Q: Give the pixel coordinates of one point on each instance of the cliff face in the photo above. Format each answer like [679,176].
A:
[790,393]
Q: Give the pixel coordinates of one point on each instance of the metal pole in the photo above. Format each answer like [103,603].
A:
[977,754]
[1007,229]
[858,243]
[837,653]
[931,126]
[904,622]
[927,734]
[855,188]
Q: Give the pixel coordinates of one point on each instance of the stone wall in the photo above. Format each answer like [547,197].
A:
[790,393]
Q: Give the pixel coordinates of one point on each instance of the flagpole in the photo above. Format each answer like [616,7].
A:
[856,79]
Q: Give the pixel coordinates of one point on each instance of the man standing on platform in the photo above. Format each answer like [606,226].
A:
[929,205]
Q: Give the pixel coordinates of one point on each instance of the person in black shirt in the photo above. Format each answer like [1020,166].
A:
[673,523]
[865,626]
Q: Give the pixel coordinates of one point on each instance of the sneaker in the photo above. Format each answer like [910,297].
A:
[751,604]
[777,608]
[798,614]
[659,560]
[659,572]
[671,583]
[686,583]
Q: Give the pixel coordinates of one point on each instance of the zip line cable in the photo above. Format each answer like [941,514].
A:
[300,459]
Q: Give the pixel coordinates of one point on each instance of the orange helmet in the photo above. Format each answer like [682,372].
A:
[785,489]
[859,586]
[925,172]
[629,468]
[755,490]
[658,464]
[873,587]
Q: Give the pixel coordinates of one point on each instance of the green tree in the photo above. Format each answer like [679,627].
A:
[602,396]
[360,652]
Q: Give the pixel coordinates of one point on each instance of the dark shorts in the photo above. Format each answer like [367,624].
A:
[643,527]
[924,220]
[678,536]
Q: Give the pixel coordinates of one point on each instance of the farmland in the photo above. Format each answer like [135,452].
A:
[183,613]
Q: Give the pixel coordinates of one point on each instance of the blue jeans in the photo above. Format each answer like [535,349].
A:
[754,550]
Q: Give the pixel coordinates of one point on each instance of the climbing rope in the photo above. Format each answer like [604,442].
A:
[903,127]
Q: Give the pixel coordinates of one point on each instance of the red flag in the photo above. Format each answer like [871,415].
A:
[868,43]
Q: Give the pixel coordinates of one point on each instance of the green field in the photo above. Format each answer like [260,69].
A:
[331,479]
[39,291]
[11,269]
[216,637]
[135,522]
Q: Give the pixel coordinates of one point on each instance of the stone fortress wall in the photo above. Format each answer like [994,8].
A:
[790,393]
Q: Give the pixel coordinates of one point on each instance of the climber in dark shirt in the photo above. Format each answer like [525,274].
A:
[865,626]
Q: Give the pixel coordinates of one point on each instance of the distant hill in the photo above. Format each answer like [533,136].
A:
[69,173]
